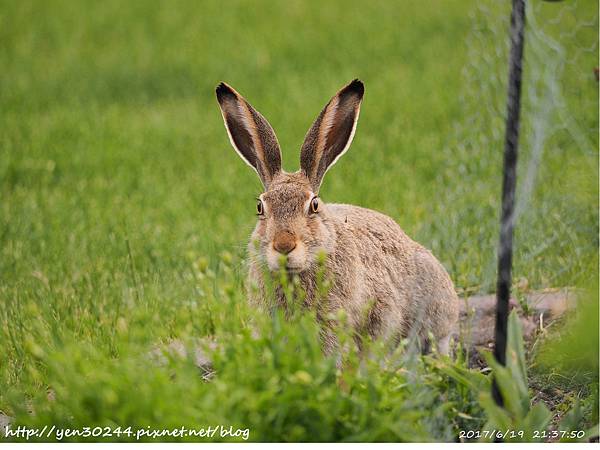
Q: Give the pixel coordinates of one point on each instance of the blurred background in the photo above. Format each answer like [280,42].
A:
[117,177]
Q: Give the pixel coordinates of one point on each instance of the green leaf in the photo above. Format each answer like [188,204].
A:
[538,418]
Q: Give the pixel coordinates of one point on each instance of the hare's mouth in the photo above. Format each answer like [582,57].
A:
[292,262]
[290,269]
[293,269]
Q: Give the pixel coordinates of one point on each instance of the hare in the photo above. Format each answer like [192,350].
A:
[388,285]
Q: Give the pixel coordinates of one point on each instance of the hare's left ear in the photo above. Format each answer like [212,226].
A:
[332,133]
[250,134]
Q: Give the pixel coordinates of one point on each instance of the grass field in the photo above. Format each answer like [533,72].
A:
[124,212]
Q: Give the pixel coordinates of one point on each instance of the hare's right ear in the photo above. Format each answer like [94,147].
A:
[250,134]
[331,134]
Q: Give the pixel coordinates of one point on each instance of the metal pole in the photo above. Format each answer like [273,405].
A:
[511,149]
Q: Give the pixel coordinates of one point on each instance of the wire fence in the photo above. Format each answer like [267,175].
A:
[556,213]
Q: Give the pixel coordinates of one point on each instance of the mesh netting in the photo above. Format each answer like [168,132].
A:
[556,213]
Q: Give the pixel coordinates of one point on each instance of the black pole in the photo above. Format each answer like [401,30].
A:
[511,149]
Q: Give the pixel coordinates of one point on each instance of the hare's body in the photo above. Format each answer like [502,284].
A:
[388,285]
[412,292]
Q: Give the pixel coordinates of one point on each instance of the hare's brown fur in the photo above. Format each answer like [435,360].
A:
[388,285]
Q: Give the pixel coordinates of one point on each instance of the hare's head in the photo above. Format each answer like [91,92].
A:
[292,220]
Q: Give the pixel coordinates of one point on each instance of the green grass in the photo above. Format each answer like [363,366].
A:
[120,196]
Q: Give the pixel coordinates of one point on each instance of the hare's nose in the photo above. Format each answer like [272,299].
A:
[284,242]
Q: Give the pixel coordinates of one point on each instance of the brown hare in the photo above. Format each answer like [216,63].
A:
[388,285]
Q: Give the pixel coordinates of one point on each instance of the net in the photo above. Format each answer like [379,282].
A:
[556,228]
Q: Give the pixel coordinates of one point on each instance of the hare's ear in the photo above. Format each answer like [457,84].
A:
[250,134]
[331,134]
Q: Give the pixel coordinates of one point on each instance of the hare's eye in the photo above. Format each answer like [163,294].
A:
[314,205]
[259,208]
